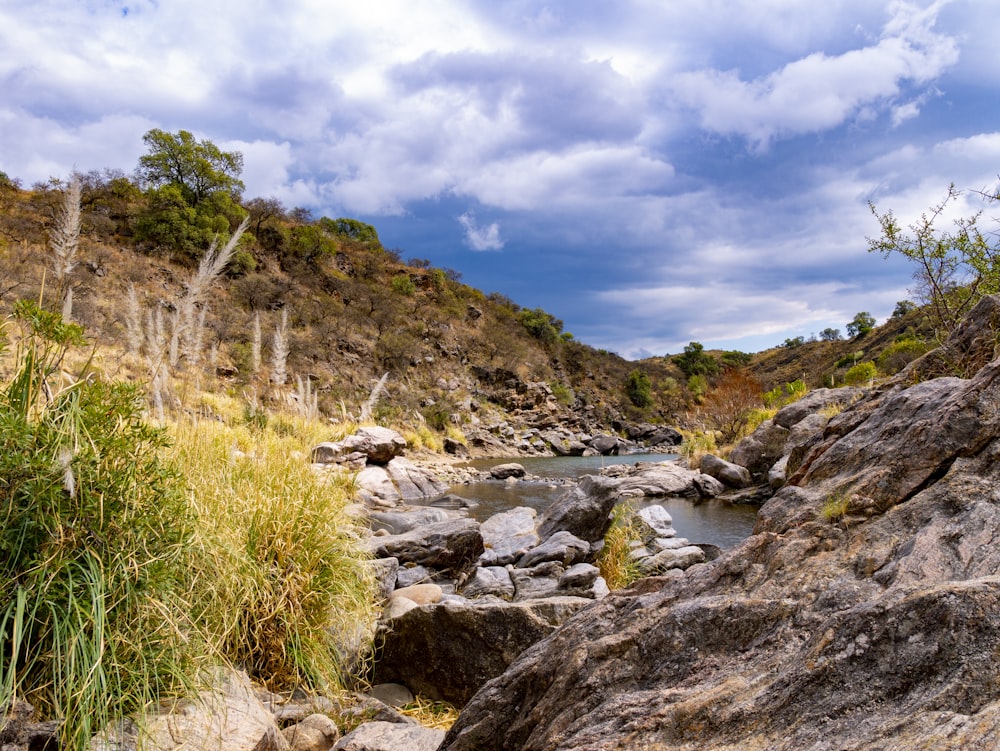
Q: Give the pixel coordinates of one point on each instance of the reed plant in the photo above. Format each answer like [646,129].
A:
[615,561]
[281,581]
[94,542]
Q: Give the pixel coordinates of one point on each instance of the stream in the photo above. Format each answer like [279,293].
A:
[710,521]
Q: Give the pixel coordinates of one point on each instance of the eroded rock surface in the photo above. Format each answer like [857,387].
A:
[861,614]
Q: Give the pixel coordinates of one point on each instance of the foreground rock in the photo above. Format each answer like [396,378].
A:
[861,614]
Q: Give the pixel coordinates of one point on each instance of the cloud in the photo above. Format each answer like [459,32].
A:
[819,91]
[480,238]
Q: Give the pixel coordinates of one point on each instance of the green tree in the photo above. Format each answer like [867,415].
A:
[639,389]
[352,229]
[695,361]
[197,168]
[954,269]
[830,335]
[540,324]
[862,324]
[903,307]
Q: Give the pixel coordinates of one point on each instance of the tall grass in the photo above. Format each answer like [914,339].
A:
[614,560]
[94,533]
[281,581]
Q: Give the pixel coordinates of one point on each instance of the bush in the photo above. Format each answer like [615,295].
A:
[860,374]
[94,543]
[728,406]
[639,389]
[898,354]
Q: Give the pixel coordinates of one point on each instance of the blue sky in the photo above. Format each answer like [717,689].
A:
[651,172]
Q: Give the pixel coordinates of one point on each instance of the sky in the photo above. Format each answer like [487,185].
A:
[651,172]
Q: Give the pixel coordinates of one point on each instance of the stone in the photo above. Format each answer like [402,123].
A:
[317,732]
[761,449]
[422,594]
[393,694]
[407,576]
[228,716]
[814,402]
[386,570]
[584,510]
[389,736]
[729,474]
[406,519]
[448,651]
[656,520]
[562,546]
[860,613]
[508,535]
[492,581]
[451,544]
[503,471]
[537,582]
[413,482]
[606,445]
[377,482]
[679,557]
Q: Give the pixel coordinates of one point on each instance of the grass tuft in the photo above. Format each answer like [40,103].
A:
[615,562]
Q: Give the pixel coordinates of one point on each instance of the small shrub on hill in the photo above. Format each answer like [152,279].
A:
[861,374]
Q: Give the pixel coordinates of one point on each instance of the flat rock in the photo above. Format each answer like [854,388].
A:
[390,736]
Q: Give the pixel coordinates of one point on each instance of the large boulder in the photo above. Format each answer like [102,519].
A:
[729,474]
[377,445]
[451,544]
[508,535]
[449,650]
[761,449]
[859,615]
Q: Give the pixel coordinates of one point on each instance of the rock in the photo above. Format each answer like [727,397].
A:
[489,581]
[229,716]
[389,736]
[456,448]
[422,594]
[860,614]
[563,546]
[393,694]
[814,402]
[451,544]
[776,475]
[682,558]
[413,482]
[606,445]
[404,520]
[563,445]
[376,481]
[584,511]
[378,445]
[503,471]
[538,582]
[386,571]
[729,474]
[317,732]
[761,449]
[408,576]
[508,535]
[447,651]
[656,520]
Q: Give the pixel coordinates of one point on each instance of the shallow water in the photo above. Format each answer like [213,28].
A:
[710,521]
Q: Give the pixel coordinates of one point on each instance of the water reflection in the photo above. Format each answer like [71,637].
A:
[711,521]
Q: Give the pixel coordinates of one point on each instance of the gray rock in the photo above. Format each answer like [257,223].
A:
[814,402]
[386,570]
[404,520]
[451,544]
[448,651]
[777,474]
[537,582]
[584,510]
[413,482]
[679,557]
[503,471]
[376,481]
[393,694]
[390,736]
[606,445]
[729,474]
[317,732]
[408,576]
[656,520]
[761,449]
[492,581]
[562,546]
[507,535]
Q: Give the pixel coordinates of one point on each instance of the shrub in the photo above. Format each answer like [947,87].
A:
[615,562]
[639,389]
[94,542]
[728,406]
[902,351]
[861,373]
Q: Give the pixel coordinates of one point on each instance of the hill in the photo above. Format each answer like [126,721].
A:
[313,312]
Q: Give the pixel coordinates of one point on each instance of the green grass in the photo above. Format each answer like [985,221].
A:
[614,560]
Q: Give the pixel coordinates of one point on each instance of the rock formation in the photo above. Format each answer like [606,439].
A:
[861,614]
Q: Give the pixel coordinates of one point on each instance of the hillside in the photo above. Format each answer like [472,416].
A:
[318,309]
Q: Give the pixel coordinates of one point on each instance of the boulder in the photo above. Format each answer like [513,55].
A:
[378,445]
[492,581]
[858,615]
[317,732]
[376,482]
[814,402]
[562,546]
[606,445]
[729,474]
[228,716]
[413,482]
[503,471]
[761,449]
[447,651]
[390,736]
[508,535]
[451,544]
[584,510]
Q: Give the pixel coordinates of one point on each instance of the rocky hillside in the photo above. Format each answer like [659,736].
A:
[860,614]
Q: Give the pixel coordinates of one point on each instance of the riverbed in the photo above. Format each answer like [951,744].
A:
[711,521]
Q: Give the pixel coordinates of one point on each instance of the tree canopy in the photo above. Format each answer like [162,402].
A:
[198,168]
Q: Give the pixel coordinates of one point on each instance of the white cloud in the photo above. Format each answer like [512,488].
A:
[481,238]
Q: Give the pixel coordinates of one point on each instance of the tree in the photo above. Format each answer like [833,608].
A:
[695,361]
[862,324]
[729,405]
[639,389]
[903,307]
[198,168]
[954,269]
[830,335]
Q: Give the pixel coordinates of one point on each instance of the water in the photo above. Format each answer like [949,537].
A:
[710,521]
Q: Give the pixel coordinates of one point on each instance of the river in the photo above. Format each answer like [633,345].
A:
[711,521]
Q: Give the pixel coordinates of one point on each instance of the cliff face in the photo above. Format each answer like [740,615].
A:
[861,614]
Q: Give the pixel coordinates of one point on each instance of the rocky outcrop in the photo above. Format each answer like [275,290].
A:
[860,614]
